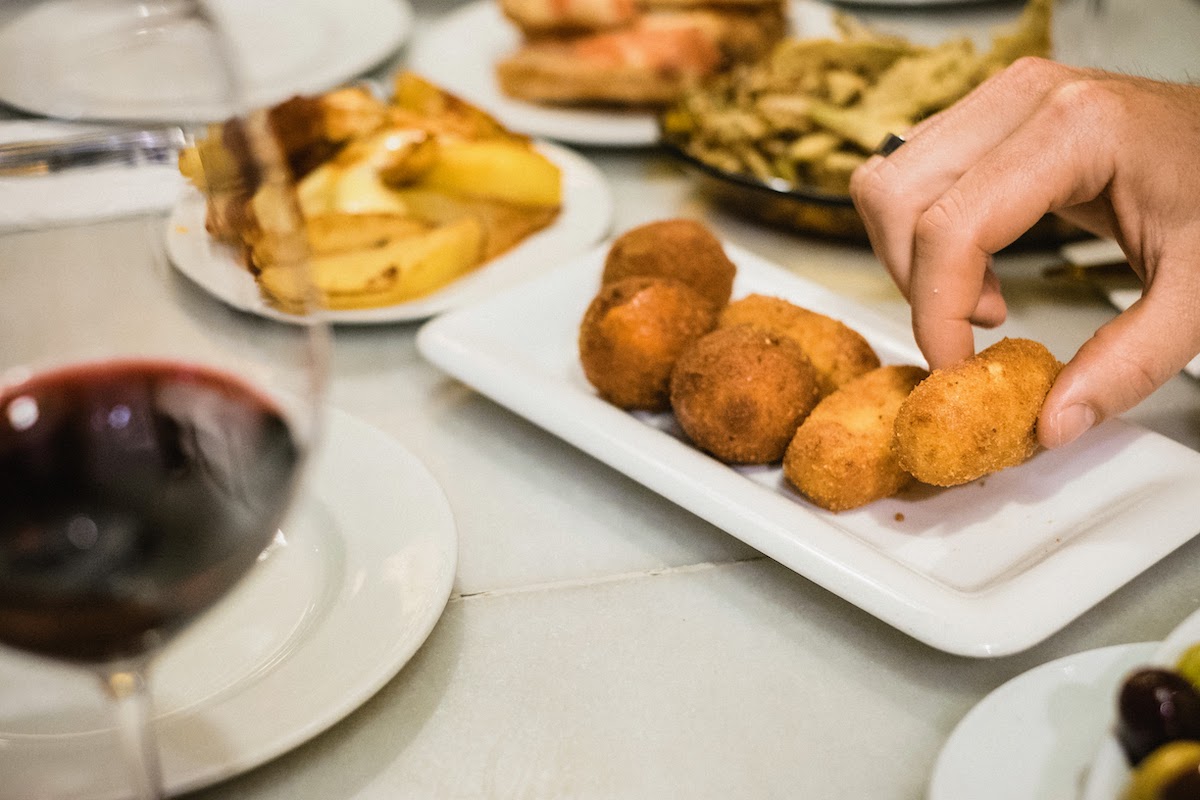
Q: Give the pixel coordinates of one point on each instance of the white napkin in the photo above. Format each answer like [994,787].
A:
[1106,251]
[80,195]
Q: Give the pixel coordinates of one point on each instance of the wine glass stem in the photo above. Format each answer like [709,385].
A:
[131,700]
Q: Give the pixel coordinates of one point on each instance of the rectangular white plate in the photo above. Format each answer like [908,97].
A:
[985,569]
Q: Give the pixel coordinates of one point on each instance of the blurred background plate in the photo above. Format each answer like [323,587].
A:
[809,210]
[311,47]
[777,202]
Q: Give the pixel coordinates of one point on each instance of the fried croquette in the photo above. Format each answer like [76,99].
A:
[976,417]
[740,393]
[632,333]
[681,249]
[841,456]
[838,352]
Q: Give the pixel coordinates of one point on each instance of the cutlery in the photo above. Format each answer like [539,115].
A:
[159,145]
[1092,261]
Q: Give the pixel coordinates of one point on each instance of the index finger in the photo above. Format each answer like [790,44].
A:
[891,193]
[1046,163]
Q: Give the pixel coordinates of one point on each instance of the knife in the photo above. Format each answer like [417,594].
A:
[129,147]
[1093,260]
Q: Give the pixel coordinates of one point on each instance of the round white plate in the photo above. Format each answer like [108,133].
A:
[298,47]
[355,582]
[1034,736]
[585,219]
[1110,771]
[471,74]
[851,5]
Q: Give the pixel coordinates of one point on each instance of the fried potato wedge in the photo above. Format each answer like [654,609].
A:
[402,269]
[512,172]
[418,96]
[504,224]
[337,232]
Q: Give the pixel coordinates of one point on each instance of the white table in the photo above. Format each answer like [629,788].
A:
[601,642]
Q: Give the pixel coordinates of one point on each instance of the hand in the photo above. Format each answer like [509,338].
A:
[1117,155]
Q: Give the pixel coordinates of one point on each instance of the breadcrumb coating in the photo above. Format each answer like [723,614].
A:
[841,456]
[740,393]
[682,249]
[976,417]
[838,352]
[632,333]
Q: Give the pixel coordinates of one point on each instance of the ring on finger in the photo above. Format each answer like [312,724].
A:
[889,145]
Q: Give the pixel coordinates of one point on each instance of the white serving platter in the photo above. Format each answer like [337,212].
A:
[985,569]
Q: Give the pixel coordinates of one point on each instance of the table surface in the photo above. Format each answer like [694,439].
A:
[602,642]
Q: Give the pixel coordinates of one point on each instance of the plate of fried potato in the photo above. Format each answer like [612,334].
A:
[585,219]
[411,206]
[983,569]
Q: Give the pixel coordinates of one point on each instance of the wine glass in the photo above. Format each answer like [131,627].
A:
[151,439]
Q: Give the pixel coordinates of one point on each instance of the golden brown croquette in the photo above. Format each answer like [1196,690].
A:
[841,456]
[976,417]
[681,249]
[632,333]
[838,352]
[739,394]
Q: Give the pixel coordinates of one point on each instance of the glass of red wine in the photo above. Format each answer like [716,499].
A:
[152,438]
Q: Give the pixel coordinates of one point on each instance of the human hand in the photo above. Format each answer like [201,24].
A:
[1117,155]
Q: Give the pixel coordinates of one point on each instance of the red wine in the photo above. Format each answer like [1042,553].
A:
[133,494]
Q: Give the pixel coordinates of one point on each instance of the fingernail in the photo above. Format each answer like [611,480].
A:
[1072,422]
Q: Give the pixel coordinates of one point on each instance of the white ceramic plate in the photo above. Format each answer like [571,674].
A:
[854,4]
[299,47]
[1035,736]
[984,569]
[1110,771]
[585,218]
[471,73]
[353,586]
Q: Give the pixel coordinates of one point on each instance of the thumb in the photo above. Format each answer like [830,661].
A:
[1122,364]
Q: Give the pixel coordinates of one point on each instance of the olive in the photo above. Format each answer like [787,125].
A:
[1172,772]
[1155,706]
[1189,665]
